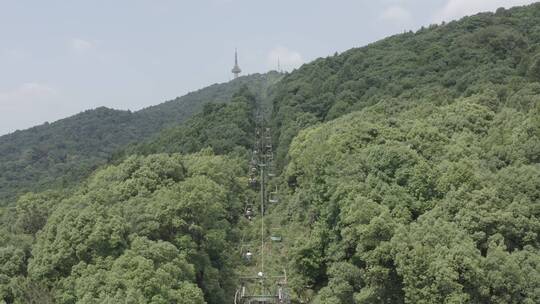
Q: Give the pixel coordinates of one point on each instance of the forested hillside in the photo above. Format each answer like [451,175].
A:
[429,193]
[154,229]
[62,153]
[428,205]
[161,228]
[494,56]
[224,128]
[409,174]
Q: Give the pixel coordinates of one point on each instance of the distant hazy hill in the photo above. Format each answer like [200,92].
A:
[63,152]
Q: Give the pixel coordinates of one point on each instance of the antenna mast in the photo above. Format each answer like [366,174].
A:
[236,69]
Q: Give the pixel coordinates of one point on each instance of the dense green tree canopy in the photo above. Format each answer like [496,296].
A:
[65,152]
[224,128]
[156,229]
[491,54]
[421,204]
[409,174]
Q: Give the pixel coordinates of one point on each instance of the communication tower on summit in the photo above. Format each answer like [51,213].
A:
[236,69]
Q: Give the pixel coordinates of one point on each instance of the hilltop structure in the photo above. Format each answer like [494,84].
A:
[236,69]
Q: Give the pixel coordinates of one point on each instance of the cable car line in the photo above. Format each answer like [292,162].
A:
[261,288]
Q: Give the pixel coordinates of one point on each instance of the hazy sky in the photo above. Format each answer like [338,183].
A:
[58,58]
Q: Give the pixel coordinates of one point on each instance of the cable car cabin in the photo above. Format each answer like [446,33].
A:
[275,236]
[253,182]
[248,257]
[273,198]
[271,174]
[249,213]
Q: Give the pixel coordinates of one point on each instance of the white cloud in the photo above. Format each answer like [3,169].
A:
[288,59]
[27,97]
[26,93]
[13,54]
[397,15]
[81,45]
[29,104]
[454,9]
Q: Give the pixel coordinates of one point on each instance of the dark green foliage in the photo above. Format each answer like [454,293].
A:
[410,173]
[491,54]
[156,229]
[417,202]
[534,70]
[58,154]
[222,127]
[429,193]
[33,210]
[62,153]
